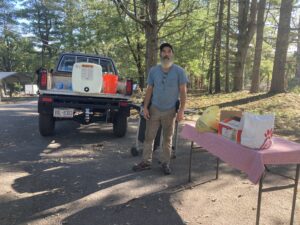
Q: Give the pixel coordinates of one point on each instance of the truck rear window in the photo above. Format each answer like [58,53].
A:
[67,62]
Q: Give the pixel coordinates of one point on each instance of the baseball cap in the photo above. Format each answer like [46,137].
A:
[166,45]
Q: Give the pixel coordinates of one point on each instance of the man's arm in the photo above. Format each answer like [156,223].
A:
[147,100]
[182,95]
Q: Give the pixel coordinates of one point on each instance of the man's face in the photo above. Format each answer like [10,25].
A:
[166,56]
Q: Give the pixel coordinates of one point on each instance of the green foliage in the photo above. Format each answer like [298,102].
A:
[190,33]
[96,27]
[43,20]
[17,87]
[18,55]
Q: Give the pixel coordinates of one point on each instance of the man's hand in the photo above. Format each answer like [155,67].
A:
[146,113]
[180,115]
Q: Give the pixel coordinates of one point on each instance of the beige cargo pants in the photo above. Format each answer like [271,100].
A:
[167,120]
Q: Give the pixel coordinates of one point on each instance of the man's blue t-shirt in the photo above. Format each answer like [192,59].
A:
[166,86]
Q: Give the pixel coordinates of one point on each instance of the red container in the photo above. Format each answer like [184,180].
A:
[110,83]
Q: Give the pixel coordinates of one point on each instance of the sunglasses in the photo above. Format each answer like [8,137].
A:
[164,81]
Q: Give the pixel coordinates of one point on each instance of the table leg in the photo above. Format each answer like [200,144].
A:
[295,194]
[259,199]
[190,163]
[217,170]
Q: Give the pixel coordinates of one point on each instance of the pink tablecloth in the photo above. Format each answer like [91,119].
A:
[245,159]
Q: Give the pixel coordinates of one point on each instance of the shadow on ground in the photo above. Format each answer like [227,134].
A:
[83,173]
[147,210]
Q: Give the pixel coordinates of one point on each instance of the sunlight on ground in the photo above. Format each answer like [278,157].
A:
[8,180]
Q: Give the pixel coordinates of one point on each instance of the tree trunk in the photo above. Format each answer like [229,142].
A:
[44,26]
[203,61]
[200,82]
[151,30]
[218,48]
[258,46]
[268,81]
[212,59]
[1,90]
[282,43]
[211,65]
[227,48]
[139,47]
[43,57]
[297,75]
[151,46]
[238,78]
[141,71]
[246,29]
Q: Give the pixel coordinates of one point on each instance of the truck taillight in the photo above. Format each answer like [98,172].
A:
[129,84]
[46,99]
[43,79]
[123,104]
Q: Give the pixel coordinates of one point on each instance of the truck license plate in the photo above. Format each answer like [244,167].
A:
[63,113]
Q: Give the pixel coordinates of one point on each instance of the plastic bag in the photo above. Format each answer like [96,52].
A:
[257,130]
[209,120]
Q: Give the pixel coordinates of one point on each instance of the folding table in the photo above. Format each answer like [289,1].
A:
[252,162]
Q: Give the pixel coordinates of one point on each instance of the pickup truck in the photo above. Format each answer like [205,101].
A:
[57,101]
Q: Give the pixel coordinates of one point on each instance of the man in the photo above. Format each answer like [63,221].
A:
[166,83]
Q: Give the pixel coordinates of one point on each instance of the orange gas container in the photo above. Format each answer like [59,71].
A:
[110,83]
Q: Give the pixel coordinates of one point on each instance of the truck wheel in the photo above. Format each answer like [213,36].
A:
[46,124]
[120,125]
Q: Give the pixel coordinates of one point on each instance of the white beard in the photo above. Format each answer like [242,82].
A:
[166,63]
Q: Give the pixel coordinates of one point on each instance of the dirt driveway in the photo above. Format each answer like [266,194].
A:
[83,175]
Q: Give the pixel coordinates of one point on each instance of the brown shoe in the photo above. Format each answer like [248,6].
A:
[141,166]
[166,168]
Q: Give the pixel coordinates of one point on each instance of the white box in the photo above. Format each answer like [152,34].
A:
[87,78]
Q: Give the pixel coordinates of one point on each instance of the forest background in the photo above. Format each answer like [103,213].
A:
[223,45]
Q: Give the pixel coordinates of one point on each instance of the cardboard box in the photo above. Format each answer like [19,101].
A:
[226,114]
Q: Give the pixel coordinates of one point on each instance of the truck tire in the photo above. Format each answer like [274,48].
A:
[46,124]
[120,125]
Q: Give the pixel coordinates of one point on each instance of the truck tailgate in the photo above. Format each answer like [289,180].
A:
[71,93]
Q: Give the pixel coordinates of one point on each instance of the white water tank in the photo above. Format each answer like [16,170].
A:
[87,78]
